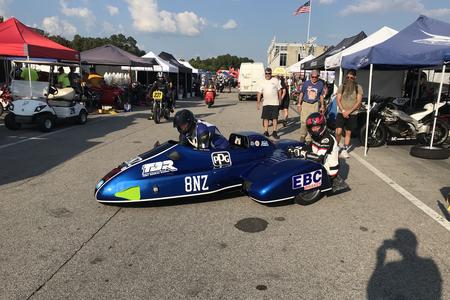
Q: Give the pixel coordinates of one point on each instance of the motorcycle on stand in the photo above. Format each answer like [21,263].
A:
[160,107]
[386,123]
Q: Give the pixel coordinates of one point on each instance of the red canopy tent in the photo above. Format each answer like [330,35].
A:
[18,40]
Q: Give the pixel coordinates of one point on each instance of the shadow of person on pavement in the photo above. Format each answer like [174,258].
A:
[412,277]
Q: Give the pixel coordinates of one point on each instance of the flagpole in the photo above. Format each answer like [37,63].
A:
[309,19]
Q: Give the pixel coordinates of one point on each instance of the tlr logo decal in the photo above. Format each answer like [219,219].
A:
[158,167]
[221,159]
[307,181]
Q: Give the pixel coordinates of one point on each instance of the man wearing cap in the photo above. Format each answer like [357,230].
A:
[310,97]
[269,94]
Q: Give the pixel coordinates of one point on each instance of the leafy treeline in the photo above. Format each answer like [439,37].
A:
[85,43]
[220,62]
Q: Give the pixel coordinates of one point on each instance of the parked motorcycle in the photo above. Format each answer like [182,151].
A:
[390,124]
[5,98]
[210,96]
[160,107]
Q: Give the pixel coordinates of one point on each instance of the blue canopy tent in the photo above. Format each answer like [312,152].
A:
[424,43]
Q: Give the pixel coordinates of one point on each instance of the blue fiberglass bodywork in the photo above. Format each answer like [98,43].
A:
[257,165]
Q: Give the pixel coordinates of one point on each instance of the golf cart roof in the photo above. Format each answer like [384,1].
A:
[43,61]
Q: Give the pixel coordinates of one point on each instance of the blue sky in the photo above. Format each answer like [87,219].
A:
[206,28]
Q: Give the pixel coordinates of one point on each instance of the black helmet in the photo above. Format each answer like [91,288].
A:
[184,121]
[316,119]
[160,76]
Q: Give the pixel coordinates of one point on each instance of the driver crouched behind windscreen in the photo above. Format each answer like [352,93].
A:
[323,149]
[197,133]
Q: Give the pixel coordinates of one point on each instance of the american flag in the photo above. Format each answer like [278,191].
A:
[305,8]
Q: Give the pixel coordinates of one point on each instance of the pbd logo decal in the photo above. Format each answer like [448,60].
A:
[221,159]
[307,181]
[158,167]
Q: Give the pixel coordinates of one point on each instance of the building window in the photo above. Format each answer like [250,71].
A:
[283,58]
[299,57]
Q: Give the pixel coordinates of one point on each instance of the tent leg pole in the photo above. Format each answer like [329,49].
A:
[436,107]
[368,108]
[416,96]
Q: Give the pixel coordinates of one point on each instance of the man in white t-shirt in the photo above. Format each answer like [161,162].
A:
[269,94]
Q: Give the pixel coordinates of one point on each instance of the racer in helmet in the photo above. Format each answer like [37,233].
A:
[197,133]
[323,148]
[161,85]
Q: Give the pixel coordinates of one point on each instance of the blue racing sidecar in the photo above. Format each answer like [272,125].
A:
[261,168]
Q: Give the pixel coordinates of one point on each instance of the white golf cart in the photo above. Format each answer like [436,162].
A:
[43,104]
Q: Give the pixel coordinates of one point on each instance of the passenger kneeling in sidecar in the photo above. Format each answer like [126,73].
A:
[322,149]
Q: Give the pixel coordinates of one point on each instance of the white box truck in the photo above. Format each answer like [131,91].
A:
[251,76]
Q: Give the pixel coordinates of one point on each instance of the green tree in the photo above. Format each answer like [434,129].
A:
[220,62]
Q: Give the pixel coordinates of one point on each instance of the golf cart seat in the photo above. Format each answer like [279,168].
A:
[63,94]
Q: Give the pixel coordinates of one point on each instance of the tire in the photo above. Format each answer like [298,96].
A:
[1,109]
[240,98]
[82,117]
[157,114]
[378,140]
[45,122]
[440,134]
[11,123]
[427,153]
[308,197]
[166,113]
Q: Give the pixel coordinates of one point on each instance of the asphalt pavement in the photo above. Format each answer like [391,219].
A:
[374,241]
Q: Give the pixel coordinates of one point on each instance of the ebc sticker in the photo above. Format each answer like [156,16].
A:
[159,167]
[221,159]
[307,181]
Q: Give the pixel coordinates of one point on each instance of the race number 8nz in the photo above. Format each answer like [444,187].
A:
[196,183]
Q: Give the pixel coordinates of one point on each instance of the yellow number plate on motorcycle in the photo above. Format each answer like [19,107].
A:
[157,95]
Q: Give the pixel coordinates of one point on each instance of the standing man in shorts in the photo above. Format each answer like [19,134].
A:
[349,96]
[270,93]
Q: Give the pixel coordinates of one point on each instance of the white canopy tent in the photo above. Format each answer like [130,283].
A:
[188,65]
[163,66]
[389,83]
[296,68]
[384,33]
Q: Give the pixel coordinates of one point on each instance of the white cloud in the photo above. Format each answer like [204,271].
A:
[231,24]
[148,18]
[109,28]
[438,12]
[112,10]
[326,2]
[414,6]
[54,26]
[3,7]
[80,12]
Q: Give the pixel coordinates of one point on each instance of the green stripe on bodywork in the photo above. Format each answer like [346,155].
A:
[133,193]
